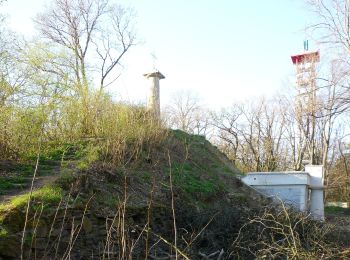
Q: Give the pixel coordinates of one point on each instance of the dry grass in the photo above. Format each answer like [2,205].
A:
[281,233]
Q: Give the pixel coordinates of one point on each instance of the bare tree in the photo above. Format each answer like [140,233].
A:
[338,179]
[226,123]
[333,30]
[88,29]
[262,133]
[295,138]
[186,113]
[96,35]
[253,135]
[114,42]
[333,21]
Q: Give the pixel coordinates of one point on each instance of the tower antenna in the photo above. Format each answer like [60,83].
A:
[154,60]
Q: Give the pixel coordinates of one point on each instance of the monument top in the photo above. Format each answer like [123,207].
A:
[155,74]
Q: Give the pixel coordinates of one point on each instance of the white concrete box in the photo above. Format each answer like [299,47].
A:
[302,190]
[290,187]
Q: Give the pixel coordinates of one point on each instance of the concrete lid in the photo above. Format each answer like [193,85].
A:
[155,74]
[278,173]
[277,178]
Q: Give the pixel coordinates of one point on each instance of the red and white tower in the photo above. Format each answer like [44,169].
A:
[306,100]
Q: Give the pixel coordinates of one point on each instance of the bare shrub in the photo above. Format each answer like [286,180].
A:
[130,130]
[281,233]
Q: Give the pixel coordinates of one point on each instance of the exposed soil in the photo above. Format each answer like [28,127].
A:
[38,183]
[10,170]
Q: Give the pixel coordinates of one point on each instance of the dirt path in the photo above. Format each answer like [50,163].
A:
[39,182]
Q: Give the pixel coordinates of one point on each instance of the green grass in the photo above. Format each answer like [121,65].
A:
[56,152]
[191,183]
[44,167]
[89,155]
[3,232]
[227,170]
[53,151]
[7,183]
[199,175]
[47,195]
[25,169]
[187,167]
[336,210]
[189,178]
[187,138]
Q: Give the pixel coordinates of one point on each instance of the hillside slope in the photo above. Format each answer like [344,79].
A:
[177,197]
[130,209]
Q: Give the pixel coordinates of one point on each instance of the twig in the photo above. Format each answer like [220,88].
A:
[51,228]
[170,244]
[173,205]
[79,227]
[149,219]
[29,200]
[189,244]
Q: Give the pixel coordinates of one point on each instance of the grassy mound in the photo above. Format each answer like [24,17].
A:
[175,196]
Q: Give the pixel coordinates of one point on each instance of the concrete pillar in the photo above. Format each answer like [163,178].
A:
[153,102]
[317,190]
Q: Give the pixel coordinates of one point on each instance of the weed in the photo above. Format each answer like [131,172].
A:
[3,232]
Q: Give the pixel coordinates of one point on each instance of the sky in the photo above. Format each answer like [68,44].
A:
[223,51]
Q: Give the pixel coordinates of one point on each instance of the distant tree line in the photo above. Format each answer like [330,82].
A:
[268,134]
[275,134]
